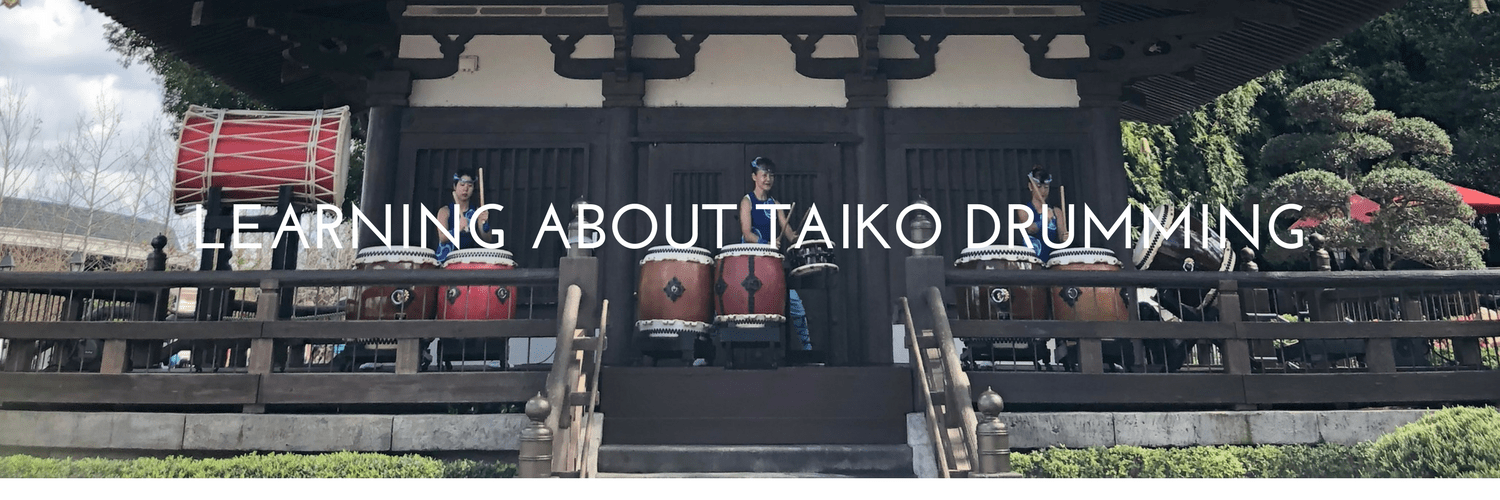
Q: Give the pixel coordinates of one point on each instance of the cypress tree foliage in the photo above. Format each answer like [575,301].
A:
[1201,157]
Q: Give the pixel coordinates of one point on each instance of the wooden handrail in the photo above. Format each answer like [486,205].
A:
[1405,280]
[956,390]
[919,361]
[292,278]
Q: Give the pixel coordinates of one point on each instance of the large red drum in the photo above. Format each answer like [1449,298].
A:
[251,154]
[749,285]
[675,293]
[1001,302]
[478,301]
[396,302]
[1071,303]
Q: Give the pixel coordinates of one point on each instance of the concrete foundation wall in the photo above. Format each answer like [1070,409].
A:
[1088,429]
[243,432]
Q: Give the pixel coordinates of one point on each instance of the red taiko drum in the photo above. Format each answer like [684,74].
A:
[251,154]
[478,301]
[1001,302]
[1071,303]
[675,293]
[396,302]
[749,285]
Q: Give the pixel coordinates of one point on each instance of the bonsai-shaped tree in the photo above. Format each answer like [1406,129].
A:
[1421,218]
[1344,133]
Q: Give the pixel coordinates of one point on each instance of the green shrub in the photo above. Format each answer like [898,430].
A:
[275,465]
[472,469]
[1454,442]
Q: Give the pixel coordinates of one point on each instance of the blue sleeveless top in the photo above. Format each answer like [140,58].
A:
[760,219]
[1040,247]
[465,238]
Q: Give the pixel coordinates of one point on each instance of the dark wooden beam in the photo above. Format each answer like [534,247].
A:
[86,388]
[412,329]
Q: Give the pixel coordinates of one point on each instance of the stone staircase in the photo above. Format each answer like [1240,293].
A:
[880,460]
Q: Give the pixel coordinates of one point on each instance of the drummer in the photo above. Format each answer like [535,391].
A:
[755,227]
[457,214]
[1039,183]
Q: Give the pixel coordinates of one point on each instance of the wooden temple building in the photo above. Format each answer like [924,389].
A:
[858,102]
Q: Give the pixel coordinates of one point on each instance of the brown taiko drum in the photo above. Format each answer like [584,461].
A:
[1071,303]
[1000,302]
[675,296]
[392,301]
[749,285]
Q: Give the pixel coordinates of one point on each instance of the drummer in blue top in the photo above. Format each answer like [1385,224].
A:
[1039,183]
[457,214]
[755,227]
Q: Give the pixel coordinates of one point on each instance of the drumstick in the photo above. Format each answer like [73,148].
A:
[481,187]
[1062,195]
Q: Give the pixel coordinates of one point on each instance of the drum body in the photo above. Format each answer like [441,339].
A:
[675,293]
[251,154]
[478,301]
[396,302]
[1000,302]
[814,256]
[1071,303]
[1199,251]
[749,286]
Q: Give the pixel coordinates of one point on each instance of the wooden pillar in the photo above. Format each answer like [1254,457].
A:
[869,341]
[388,92]
[621,189]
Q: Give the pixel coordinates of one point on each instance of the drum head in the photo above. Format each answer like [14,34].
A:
[1011,253]
[1068,256]
[690,254]
[753,249]
[813,244]
[414,255]
[495,257]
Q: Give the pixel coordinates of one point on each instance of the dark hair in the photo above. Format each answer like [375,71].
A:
[1040,175]
[761,162]
[460,174]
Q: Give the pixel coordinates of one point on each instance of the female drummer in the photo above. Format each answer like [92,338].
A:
[755,227]
[1039,183]
[457,214]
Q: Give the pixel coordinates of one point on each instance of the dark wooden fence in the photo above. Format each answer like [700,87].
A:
[259,354]
[1274,338]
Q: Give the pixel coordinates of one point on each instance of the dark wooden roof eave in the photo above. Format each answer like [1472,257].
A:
[250,60]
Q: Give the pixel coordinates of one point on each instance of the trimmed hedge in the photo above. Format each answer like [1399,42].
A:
[274,465]
[1454,442]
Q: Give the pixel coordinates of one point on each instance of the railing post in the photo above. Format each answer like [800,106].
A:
[6,264]
[1236,350]
[535,457]
[993,439]
[262,355]
[924,270]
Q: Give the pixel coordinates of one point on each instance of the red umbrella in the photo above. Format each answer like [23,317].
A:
[1482,203]
[1360,208]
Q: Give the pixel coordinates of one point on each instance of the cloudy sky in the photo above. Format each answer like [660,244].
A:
[55,50]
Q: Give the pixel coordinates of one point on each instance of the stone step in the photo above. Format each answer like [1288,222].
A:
[878,460]
[739,475]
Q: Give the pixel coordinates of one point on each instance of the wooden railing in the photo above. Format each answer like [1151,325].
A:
[944,388]
[262,364]
[1282,338]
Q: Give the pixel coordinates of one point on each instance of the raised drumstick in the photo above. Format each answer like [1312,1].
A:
[481,187]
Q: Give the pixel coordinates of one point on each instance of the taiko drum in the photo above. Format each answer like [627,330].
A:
[1000,302]
[749,284]
[675,292]
[388,302]
[478,301]
[1071,303]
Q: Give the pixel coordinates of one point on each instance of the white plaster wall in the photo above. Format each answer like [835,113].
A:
[744,71]
[514,71]
[984,72]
